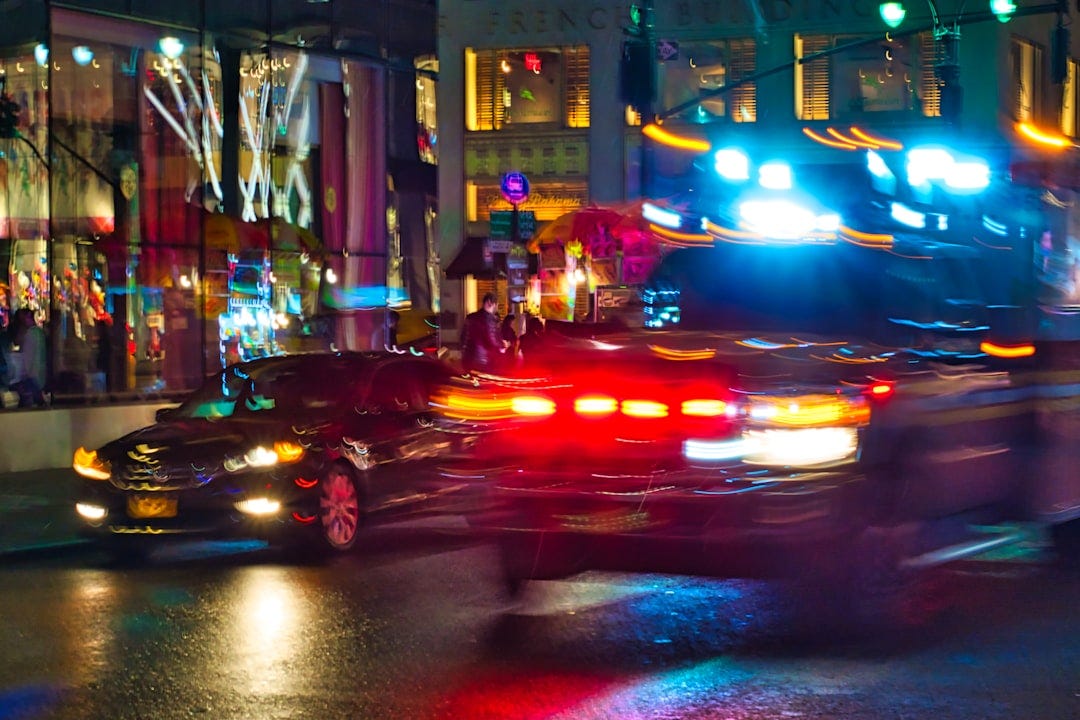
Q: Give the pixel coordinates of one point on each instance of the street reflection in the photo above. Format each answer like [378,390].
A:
[269,615]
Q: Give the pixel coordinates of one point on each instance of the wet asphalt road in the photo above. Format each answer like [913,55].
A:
[415,626]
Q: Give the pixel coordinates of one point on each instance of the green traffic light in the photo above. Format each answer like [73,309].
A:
[635,15]
[1003,9]
[893,13]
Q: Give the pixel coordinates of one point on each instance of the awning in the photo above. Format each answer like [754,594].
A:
[471,260]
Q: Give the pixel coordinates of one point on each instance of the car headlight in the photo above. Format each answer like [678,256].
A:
[283,452]
[89,465]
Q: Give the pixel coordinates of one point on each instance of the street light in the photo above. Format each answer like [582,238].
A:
[893,13]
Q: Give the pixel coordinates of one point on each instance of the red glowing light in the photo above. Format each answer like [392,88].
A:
[532,62]
[304,519]
[305,484]
[881,390]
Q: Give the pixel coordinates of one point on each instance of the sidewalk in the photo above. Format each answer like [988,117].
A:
[37,513]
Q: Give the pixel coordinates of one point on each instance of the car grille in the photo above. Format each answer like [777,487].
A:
[151,477]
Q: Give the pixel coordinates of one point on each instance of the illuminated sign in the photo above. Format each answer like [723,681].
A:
[515,188]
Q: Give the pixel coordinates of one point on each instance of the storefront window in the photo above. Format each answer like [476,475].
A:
[702,68]
[507,88]
[426,124]
[157,229]
[891,75]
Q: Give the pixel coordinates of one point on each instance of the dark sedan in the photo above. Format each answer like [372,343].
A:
[294,448]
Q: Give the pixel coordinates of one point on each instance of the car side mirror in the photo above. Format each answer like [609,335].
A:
[163,414]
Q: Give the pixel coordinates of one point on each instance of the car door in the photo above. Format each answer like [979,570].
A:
[407,442]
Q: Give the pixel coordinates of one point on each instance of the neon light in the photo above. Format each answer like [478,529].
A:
[655,132]
[1043,138]
[826,141]
[1007,351]
[305,519]
[305,484]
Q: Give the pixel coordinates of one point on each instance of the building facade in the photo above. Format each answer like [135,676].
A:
[189,185]
[535,88]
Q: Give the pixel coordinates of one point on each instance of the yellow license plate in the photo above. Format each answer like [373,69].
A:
[151,506]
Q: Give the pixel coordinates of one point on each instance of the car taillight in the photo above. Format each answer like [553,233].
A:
[881,390]
[595,405]
[532,405]
[703,407]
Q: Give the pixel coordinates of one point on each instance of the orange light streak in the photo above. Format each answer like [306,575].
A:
[826,141]
[879,141]
[1043,138]
[662,136]
[675,354]
[844,138]
[1007,351]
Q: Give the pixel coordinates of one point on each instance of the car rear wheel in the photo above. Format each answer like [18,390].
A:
[1066,539]
[340,509]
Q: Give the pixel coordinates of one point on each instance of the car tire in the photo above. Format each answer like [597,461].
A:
[1066,539]
[882,592]
[341,510]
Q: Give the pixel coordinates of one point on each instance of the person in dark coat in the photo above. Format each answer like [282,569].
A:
[531,342]
[481,344]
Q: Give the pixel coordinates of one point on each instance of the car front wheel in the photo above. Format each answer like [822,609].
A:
[340,509]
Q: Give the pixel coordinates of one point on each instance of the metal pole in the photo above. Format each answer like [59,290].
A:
[646,111]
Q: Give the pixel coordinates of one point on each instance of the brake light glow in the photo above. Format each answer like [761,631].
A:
[595,405]
[704,408]
[881,390]
[532,405]
[644,409]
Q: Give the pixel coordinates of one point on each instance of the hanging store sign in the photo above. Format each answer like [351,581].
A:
[515,188]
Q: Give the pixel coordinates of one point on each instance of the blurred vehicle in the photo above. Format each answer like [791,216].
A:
[830,413]
[298,448]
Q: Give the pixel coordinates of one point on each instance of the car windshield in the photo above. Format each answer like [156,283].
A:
[278,387]
[823,289]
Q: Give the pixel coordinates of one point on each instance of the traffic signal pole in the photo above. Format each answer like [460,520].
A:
[637,75]
[648,99]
